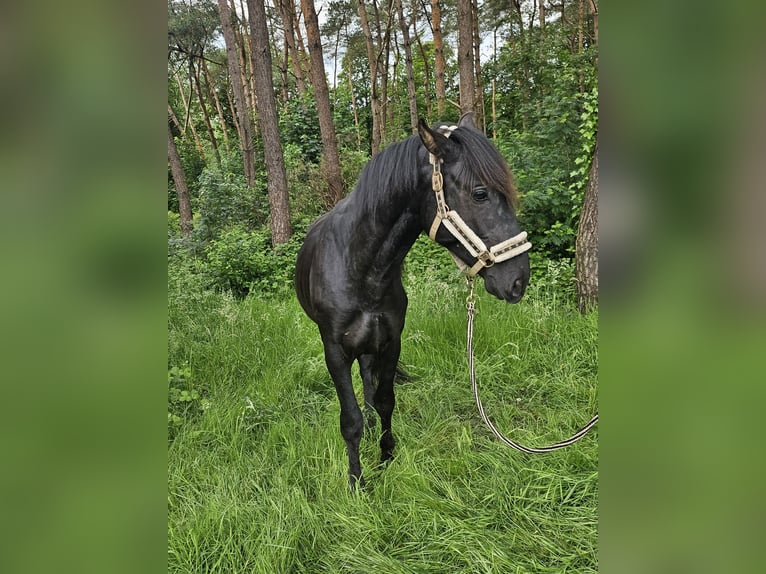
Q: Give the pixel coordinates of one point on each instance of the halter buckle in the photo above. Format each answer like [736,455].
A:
[437,181]
[486,258]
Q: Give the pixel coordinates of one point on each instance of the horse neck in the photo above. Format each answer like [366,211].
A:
[387,220]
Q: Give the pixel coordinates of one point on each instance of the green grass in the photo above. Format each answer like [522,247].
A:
[257,477]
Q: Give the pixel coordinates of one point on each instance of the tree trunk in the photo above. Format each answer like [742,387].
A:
[439,64]
[260,52]
[233,110]
[383,70]
[287,13]
[182,191]
[194,71]
[541,8]
[426,65]
[374,94]
[217,101]
[353,107]
[594,12]
[174,119]
[478,86]
[405,26]
[240,101]
[465,62]
[187,115]
[322,95]
[586,244]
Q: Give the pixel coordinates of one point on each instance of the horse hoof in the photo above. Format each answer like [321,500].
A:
[355,483]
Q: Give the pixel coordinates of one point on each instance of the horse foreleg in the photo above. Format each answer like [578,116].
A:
[351,421]
[384,400]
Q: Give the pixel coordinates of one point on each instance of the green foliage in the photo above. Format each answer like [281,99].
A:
[299,126]
[244,261]
[429,262]
[551,281]
[225,200]
[588,131]
[185,401]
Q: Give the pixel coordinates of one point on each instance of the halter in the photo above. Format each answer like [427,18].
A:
[485,257]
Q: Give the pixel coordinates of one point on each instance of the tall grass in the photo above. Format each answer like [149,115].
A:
[257,478]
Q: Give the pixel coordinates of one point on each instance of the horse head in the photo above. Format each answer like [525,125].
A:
[471,210]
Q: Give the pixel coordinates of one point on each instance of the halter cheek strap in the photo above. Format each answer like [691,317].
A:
[485,257]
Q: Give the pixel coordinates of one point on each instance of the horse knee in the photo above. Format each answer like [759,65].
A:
[352,426]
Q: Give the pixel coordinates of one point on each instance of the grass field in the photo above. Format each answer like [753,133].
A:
[257,470]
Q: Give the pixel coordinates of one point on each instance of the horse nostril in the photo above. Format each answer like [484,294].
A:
[518,288]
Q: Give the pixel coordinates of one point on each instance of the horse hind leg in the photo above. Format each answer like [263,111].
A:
[351,420]
[384,399]
[368,370]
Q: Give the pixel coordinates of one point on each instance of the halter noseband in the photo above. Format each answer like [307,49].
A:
[485,257]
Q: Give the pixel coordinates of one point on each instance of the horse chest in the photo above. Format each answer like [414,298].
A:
[370,332]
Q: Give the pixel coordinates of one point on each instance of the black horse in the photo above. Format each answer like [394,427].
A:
[349,270]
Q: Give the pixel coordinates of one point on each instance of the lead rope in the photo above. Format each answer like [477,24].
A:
[471,306]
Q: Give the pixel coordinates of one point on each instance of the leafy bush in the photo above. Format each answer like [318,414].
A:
[243,261]
[551,280]
[225,200]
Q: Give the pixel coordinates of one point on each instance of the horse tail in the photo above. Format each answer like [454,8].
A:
[402,376]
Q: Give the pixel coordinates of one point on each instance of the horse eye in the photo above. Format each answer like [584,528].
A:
[480,194]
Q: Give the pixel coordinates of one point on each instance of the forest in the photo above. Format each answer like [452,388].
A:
[273,108]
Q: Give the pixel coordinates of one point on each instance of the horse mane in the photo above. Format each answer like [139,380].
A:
[393,174]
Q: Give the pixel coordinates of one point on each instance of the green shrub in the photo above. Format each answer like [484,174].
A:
[225,200]
[551,280]
[243,261]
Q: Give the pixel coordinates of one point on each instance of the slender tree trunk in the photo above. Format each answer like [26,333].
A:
[233,110]
[194,71]
[439,63]
[594,12]
[300,45]
[353,107]
[465,61]
[494,111]
[586,244]
[524,80]
[287,13]
[374,94]
[326,127]
[260,52]
[240,101]
[405,26]
[580,24]
[541,9]
[426,65]
[174,119]
[182,191]
[384,60]
[479,85]
[219,110]
[187,115]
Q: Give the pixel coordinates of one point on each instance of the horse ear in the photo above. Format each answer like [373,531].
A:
[466,120]
[435,142]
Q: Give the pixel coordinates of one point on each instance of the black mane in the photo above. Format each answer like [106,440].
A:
[394,173]
[390,176]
